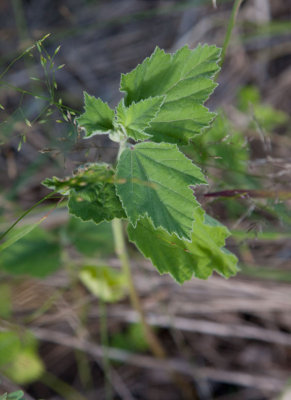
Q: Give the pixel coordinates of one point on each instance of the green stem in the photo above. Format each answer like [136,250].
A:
[105,345]
[62,388]
[25,213]
[121,251]
[230,26]
[188,392]
[122,147]
[20,20]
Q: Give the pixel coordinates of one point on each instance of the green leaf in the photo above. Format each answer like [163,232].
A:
[104,282]
[132,339]
[223,147]
[19,359]
[15,395]
[26,368]
[10,345]
[249,101]
[154,180]
[97,118]
[90,239]
[15,235]
[104,207]
[183,259]
[179,121]
[137,117]
[92,194]
[37,254]
[184,78]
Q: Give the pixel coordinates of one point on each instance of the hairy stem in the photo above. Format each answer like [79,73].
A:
[121,251]
[187,390]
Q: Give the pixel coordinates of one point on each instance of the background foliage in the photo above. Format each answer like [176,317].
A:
[61,288]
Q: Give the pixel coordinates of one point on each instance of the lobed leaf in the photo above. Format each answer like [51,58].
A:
[97,118]
[153,180]
[137,117]
[183,259]
[184,78]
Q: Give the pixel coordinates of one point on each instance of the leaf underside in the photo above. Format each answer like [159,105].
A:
[153,180]
[183,259]
[184,78]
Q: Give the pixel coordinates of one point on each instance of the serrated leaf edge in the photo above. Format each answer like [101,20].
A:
[91,219]
[94,133]
[222,248]
[172,54]
[149,123]
[199,46]
[146,214]
[157,48]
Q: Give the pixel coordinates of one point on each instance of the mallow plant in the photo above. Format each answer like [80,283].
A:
[152,184]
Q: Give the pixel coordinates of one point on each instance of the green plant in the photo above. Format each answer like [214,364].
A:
[13,396]
[152,184]
[262,115]
[226,149]
[19,359]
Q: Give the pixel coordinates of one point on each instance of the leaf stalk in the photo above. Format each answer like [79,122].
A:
[121,251]
[230,26]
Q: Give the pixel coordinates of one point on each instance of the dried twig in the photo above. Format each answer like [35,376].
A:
[210,328]
[273,383]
